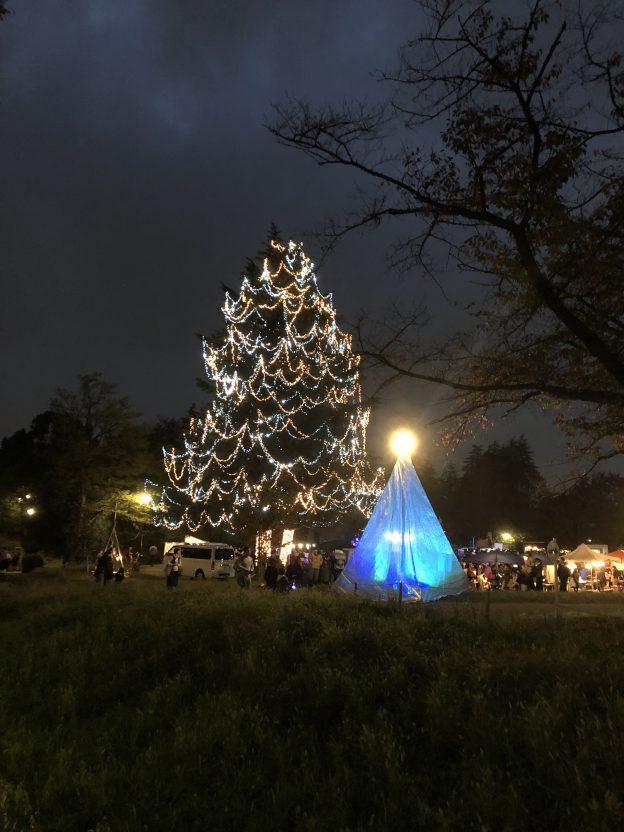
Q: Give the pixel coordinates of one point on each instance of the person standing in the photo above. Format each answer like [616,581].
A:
[5,559]
[173,567]
[538,575]
[282,584]
[316,559]
[601,579]
[249,567]
[99,568]
[244,570]
[270,574]
[104,567]
[294,571]
[584,576]
[563,573]
[338,563]
[325,571]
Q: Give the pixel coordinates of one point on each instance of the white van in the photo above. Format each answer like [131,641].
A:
[203,560]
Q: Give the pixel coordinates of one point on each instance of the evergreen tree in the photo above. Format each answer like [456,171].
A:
[81,461]
[448,501]
[591,509]
[283,436]
[500,489]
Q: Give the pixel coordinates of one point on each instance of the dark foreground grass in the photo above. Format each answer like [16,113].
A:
[130,708]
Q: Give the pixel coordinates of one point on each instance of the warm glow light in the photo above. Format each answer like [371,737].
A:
[403,442]
[287,544]
[506,537]
[144,498]
[30,511]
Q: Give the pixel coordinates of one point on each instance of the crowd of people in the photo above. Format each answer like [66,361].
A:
[316,568]
[530,576]
[301,571]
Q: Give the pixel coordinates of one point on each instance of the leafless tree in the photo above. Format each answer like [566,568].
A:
[501,139]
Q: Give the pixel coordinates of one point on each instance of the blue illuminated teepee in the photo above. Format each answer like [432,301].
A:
[403,542]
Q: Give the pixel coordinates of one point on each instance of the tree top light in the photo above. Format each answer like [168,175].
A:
[403,442]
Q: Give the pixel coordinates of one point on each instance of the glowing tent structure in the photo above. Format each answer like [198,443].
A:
[584,554]
[403,543]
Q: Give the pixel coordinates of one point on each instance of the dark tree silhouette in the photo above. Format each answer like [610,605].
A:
[523,182]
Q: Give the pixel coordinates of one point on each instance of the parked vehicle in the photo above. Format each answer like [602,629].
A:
[204,560]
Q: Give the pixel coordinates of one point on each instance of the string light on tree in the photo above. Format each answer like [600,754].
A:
[284,435]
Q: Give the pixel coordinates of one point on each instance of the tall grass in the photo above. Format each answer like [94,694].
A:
[206,708]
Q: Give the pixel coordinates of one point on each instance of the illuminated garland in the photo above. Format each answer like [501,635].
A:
[284,435]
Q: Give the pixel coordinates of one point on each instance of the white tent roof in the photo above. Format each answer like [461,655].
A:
[583,552]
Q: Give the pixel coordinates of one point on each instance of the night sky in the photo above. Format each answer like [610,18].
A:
[137,175]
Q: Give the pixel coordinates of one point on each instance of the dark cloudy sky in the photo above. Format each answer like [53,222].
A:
[137,175]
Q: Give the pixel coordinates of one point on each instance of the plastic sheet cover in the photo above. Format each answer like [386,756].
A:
[403,542]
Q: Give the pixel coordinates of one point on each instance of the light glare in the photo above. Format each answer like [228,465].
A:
[403,442]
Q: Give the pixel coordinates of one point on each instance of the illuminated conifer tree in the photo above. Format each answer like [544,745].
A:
[282,441]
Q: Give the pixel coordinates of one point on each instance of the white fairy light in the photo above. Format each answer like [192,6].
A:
[287,394]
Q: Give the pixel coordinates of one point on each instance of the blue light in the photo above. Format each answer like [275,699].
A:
[403,543]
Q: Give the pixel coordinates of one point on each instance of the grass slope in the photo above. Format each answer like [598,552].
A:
[133,708]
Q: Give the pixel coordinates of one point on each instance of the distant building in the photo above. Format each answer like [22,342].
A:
[599,548]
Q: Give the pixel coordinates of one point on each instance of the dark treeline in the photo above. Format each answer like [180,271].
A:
[88,456]
[500,488]
[79,464]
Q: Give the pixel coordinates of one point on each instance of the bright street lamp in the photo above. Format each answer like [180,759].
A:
[403,442]
[144,499]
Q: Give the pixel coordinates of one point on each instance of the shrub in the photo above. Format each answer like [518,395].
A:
[30,562]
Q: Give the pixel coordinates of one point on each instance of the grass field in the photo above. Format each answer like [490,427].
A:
[131,707]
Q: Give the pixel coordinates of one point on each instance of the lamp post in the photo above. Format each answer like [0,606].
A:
[403,443]
[144,499]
